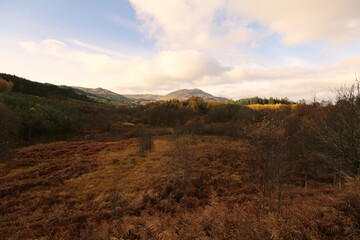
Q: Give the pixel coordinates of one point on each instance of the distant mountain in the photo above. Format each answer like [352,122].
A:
[150,97]
[104,95]
[185,94]
[25,86]
[134,99]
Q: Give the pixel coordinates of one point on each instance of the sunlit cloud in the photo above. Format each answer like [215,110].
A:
[182,24]
[170,70]
[99,49]
[231,48]
[28,46]
[332,21]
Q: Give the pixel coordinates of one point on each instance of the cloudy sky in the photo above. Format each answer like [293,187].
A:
[230,48]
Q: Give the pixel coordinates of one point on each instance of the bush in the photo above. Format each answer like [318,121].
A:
[5,86]
[9,128]
[146,141]
[181,155]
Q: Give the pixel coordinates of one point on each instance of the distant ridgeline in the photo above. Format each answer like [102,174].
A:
[22,85]
[257,100]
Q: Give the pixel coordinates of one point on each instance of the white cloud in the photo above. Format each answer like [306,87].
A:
[28,46]
[53,45]
[171,70]
[187,24]
[165,70]
[99,49]
[210,25]
[331,21]
[208,44]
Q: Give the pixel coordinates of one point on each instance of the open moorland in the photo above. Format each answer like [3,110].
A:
[77,168]
[111,190]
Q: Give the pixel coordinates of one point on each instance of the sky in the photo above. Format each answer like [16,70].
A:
[229,48]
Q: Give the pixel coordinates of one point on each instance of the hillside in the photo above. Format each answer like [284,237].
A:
[32,112]
[104,94]
[25,86]
[183,94]
[150,97]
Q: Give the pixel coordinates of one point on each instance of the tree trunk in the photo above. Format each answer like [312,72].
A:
[340,173]
[279,192]
[315,176]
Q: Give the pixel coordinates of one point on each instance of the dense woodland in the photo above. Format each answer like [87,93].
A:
[247,169]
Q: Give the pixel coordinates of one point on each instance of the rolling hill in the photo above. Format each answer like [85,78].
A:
[185,94]
[182,94]
[104,95]
[99,94]
[25,86]
[149,97]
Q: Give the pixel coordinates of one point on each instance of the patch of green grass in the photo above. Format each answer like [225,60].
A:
[22,169]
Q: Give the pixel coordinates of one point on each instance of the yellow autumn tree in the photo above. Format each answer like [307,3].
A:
[5,86]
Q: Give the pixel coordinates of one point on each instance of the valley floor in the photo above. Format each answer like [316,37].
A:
[206,189]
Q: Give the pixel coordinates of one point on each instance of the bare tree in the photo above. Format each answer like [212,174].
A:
[181,156]
[270,141]
[338,133]
[146,140]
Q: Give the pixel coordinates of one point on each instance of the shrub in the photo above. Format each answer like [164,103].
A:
[9,128]
[146,141]
[181,156]
[5,86]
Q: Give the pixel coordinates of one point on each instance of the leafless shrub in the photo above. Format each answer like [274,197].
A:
[146,140]
[181,156]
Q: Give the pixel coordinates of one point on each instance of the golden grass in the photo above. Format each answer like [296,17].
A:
[131,195]
[271,106]
[127,171]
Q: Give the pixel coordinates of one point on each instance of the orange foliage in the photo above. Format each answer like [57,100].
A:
[211,104]
[5,86]
[278,106]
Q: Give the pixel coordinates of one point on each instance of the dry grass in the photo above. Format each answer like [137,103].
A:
[110,190]
[278,106]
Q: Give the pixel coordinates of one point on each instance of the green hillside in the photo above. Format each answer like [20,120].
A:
[22,85]
[43,112]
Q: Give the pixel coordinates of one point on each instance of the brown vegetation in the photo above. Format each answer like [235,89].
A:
[203,188]
[190,170]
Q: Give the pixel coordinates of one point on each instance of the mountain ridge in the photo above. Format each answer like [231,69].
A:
[100,94]
[184,94]
[181,94]
[103,94]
